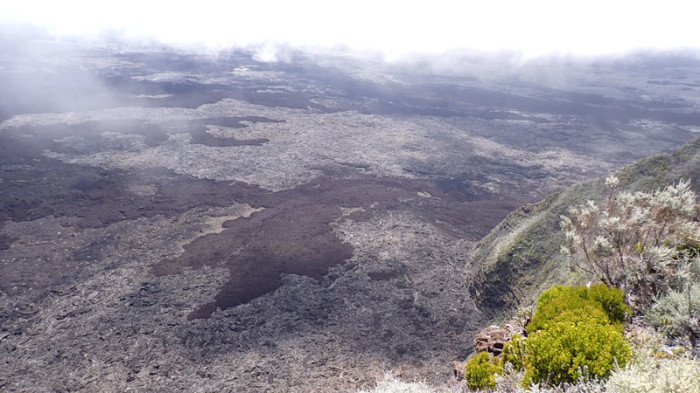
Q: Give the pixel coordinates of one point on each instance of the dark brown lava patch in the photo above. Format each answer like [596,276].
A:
[294,233]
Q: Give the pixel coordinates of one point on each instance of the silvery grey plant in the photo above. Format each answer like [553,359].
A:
[640,242]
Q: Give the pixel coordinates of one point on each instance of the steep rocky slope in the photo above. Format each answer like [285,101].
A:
[520,257]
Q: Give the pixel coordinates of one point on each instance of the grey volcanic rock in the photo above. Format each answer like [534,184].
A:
[173,222]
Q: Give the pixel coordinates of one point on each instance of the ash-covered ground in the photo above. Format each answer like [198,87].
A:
[181,222]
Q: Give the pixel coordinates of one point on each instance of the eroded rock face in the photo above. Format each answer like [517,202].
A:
[491,339]
[237,226]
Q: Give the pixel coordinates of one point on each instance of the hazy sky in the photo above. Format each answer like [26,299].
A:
[393,27]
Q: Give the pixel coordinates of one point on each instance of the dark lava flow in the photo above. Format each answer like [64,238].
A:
[294,233]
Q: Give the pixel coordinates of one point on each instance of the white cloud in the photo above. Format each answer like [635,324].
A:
[394,27]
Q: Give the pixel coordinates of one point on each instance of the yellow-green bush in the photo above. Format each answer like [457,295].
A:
[514,352]
[611,299]
[481,370]
[560,352]
[558,311]
[574,330]
[598,303]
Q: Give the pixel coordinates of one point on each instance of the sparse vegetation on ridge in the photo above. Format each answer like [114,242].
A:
[642,241]
[638,241]
[645,243]
[520,258]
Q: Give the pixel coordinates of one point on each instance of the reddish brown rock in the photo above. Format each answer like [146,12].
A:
[491,339]
[459,368]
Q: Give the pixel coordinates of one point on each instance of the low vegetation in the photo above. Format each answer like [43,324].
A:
[565,350]
[480,371]
[677,313]
[520,258]
[639,242]
[574,334]
[596,303]
[391,384]
[514,353]
[643,247]
[567,356]
[650,369]
[571,335]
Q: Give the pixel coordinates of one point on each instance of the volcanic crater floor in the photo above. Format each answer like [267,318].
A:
[235,226]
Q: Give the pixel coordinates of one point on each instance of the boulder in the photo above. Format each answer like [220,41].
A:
[492,339]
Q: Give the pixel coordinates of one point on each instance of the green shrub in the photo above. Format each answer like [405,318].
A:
[564,349]
[481,370]
[555,292]
[573,304]
[562,310]
[514,353]
[611,299]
